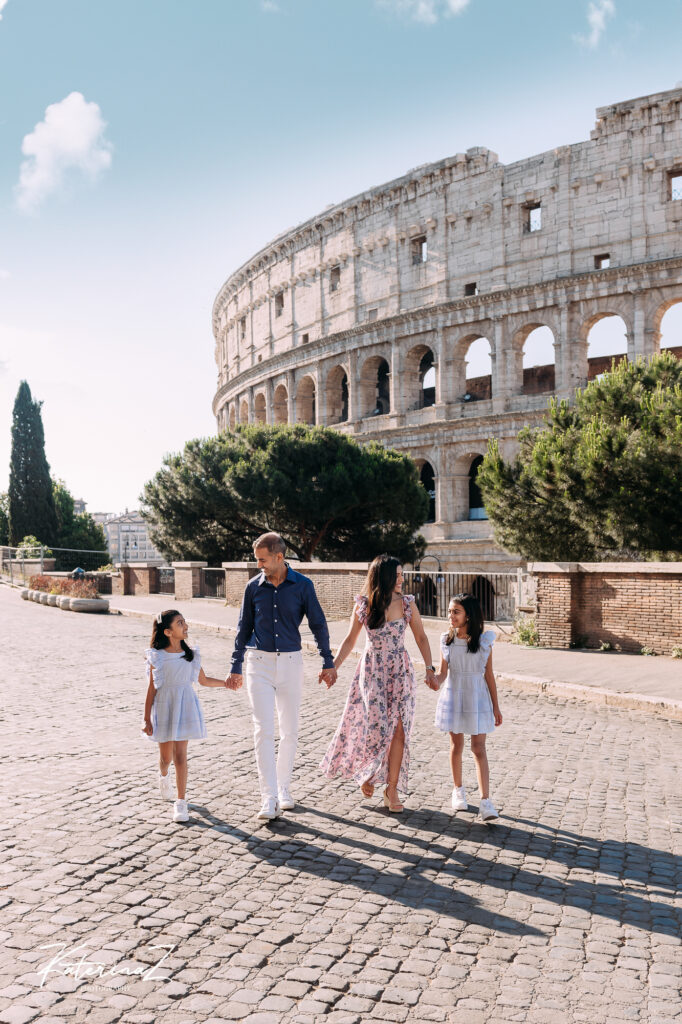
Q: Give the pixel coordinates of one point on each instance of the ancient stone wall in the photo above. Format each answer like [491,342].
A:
[362,317]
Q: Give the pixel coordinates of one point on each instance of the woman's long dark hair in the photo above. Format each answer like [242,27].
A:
[472,610]
[159,638]
[379,588]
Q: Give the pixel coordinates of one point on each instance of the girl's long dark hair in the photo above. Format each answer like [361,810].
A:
[159,638]
[379,588]
[472,610]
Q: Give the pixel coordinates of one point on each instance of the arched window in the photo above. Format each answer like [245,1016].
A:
[233,417]
[476,507]
[479,371]
[337,395]
[259,408]
[244,412]
[606,341]
[305,401]
[280,405]
[671,329]
[427,380]
[383,393]
[374,387]
[538,362]
[428,481]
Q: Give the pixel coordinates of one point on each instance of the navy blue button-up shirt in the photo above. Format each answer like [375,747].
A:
[270,618]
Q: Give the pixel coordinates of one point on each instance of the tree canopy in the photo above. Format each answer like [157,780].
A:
[604,475]
[325,494]
[31,502]
[75,530]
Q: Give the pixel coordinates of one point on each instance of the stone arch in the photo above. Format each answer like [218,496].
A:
[419,377]
[280,404]
[429,481]
[478,368]
[233,416]
[604,343]
[375,396]
[259,408]
[667,326]
[306,400]
[244,411]
[535,349]
[337,394]
[476,507]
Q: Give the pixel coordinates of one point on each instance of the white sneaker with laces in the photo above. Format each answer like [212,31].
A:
[166,787]
[459,799]
[487,810]
[180,812]
[269,809]
[286,800]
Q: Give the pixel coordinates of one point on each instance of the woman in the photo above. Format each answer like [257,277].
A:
[372,742]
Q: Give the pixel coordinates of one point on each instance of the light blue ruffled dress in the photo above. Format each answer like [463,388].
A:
[464,704]
[176,711]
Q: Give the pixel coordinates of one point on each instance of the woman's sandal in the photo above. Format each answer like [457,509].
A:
[393,808]
[367,790]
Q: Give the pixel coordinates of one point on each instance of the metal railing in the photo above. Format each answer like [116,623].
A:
[19,564]
[167,580]
[500,593]
[213,583]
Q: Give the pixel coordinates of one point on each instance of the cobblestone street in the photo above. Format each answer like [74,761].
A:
[564,911]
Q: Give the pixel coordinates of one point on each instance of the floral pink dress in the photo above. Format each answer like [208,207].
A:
[383,690]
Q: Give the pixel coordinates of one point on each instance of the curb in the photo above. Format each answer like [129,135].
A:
[660,706]
[593,694]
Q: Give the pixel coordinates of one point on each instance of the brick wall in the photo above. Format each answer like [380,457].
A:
[629,605]
[336,584]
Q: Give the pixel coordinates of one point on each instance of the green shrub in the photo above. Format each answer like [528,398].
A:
[648,652]
[605,645]
[525,631]
[677,651]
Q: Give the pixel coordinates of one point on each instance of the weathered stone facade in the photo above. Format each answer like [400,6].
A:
[362,317]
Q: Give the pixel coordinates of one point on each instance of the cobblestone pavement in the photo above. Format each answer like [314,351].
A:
[338,911]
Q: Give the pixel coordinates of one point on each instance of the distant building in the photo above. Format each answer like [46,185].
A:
[78,506]
[127,537]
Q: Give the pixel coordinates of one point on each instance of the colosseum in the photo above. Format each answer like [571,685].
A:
[368,316]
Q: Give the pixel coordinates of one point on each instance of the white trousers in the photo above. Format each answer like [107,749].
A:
[274,681]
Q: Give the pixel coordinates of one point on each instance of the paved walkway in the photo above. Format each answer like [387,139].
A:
[624,680]
[338,912]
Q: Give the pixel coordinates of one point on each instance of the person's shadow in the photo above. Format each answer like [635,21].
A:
[431,868]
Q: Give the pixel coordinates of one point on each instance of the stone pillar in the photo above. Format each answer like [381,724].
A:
[143,578]
[574,358]
[395,397]
[438,365]
[354,410]
[644,341]
[291,397]
[188,579]
[502,366]
[269,398]
[121,584]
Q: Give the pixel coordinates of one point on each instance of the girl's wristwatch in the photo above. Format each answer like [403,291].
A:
[430,668]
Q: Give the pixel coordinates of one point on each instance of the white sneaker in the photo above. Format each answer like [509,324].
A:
[166,787]
[459,799]
[180,812]
[269,809]
[286,800]
[486,809]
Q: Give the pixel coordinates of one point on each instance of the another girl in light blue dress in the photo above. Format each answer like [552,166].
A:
[468,702]
[172,713]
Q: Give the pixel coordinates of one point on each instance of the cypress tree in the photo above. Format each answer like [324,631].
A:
[31,501]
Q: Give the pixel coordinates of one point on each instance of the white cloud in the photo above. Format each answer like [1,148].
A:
[70,138]
[428,12]
[3,3]
[270,6]
[597,15]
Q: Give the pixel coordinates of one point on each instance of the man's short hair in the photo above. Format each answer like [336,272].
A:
[272,541]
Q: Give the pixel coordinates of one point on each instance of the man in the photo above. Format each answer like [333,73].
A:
[269,643]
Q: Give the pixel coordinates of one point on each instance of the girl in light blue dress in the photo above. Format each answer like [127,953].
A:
[468,702]
[172,712]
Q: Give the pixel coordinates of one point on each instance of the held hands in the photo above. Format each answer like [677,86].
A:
[431,680]
[328,676]
[234,681]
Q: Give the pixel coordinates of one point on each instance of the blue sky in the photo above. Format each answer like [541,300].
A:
[204,129]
